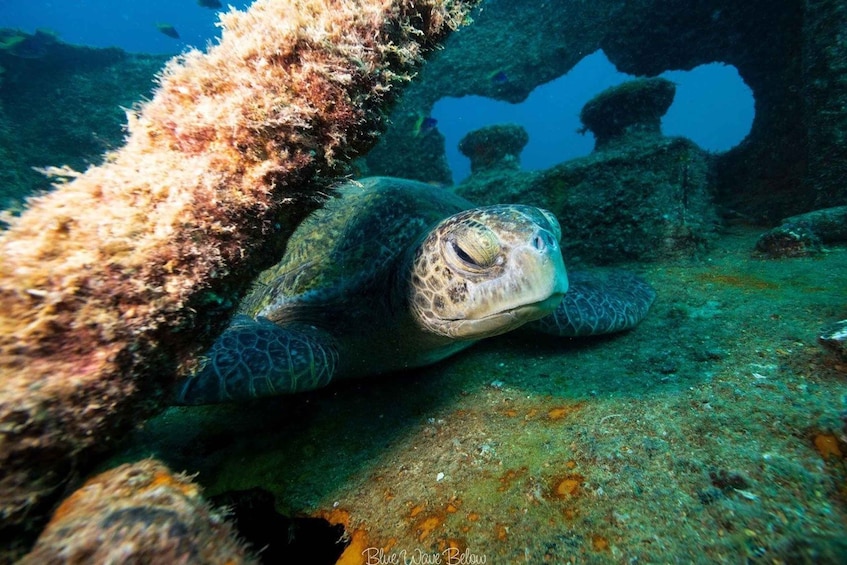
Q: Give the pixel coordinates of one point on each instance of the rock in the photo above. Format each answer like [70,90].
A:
[834,338]
[634,107]
[638,196]
[788,241]
[828,224]
[802,235]
[494,147]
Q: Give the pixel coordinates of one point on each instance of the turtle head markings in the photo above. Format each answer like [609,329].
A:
[486,271]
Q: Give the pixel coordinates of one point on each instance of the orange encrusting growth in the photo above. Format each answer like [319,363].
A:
[138,513]
[105,283]
[827,446]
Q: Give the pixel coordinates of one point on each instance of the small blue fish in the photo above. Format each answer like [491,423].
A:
[500,77]
[168,30]
[213,4]
[428,125]
[424,125]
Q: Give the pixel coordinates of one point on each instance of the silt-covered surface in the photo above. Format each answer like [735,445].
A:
[714,431]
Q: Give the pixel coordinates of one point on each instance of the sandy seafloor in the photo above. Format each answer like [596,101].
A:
[713,432]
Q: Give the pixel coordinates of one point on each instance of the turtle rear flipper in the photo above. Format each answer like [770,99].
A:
[257,358]
[599,302]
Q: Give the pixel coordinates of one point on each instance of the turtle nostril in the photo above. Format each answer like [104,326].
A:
[543,240]
[538,243]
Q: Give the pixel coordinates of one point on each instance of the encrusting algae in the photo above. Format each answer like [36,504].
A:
[139,512]
[112,283]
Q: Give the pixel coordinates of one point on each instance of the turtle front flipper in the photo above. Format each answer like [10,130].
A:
[599,302]
[256,358]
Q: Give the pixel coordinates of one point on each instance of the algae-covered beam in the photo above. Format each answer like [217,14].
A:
[139,513]
[112,283]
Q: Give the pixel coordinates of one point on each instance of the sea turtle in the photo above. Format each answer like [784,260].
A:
[393,274]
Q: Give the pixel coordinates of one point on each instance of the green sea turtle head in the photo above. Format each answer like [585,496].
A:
[486,271]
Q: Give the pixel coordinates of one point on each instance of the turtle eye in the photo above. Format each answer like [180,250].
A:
[463,255]
[475,248]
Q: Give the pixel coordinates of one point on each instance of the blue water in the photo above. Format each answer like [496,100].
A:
[117,23]
[713,106]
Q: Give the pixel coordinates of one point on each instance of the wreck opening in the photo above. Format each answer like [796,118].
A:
[713,107]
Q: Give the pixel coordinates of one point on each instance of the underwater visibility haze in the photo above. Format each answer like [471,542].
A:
[444,281]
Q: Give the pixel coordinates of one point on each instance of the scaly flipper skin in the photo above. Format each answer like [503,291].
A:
[598,302]
[256,358]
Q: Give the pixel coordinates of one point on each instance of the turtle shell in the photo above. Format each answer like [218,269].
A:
[350,251]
